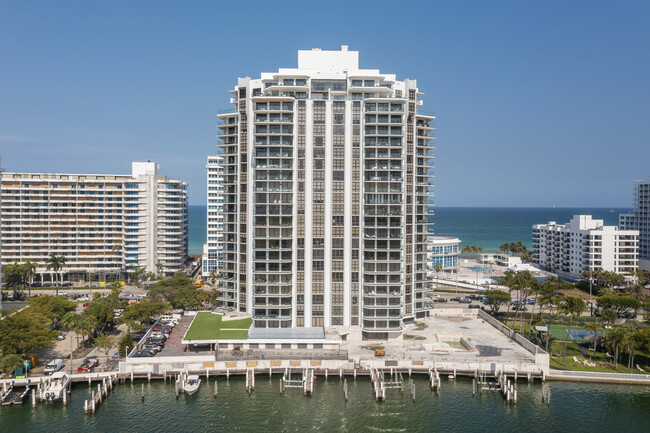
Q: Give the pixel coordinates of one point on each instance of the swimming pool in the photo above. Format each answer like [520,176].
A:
[478,268]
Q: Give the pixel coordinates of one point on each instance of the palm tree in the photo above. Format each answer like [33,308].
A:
[615,338]
[437,267]
[69,321]
[595,328]
[573,306]
[213,277]
[547,298]
[530,285]
[56,263]
[631,344]
[29,268]
[609,316]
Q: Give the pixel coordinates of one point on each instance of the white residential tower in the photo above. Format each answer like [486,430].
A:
[326,194]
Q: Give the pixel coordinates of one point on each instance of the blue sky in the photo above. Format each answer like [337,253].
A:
[537,103]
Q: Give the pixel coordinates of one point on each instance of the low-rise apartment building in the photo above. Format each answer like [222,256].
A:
[584,244]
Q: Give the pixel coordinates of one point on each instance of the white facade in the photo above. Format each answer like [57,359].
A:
[584,244]
[1,276]
[100,223]
[444,250]
[213,248]
[326,186]
[639,220]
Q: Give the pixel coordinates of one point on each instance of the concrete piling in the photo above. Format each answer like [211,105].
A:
[33,398]
[215,389]
[142,395]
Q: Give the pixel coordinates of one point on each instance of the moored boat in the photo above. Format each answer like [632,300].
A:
[54,387]
[192,384]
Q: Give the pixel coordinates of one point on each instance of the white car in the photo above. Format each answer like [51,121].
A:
[83,298]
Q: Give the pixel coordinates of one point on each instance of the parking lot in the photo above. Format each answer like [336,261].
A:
[173,345]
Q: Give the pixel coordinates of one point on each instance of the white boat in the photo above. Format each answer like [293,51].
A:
[192,384]
[55,386]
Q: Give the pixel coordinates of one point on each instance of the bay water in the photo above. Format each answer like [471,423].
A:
[574,407]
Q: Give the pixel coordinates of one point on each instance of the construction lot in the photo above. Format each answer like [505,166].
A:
[439,339]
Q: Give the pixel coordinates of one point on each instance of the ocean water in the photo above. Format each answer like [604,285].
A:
[574,407]
[484,227]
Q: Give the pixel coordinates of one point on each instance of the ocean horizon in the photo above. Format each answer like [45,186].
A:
[487,227]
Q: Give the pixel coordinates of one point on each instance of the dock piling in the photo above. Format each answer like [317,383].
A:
[412,390]
[215,388]
[345,389]
[142,395]
[33,398]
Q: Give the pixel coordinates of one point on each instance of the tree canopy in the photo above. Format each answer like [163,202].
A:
[181,293]
[58,305]
[496,299]
[25,331]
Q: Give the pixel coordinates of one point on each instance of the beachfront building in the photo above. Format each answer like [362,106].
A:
[639,220]
[101,223]
[444,250]
[213,248]
[1,279]
[326,193]
[584,244]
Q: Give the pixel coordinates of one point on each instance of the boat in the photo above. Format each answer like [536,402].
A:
[192,384]
[55,386]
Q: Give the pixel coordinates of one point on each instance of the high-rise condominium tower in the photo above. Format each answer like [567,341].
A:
[326,186]
[100,223]
[213,248]
[639,220]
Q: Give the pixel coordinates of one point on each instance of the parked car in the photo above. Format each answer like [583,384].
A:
[465,301]
[475,297]
[86,304]
[151,347]
[83,298]
[162,328]
[159,334]
[53,366]
[456,299]
[474,306]
[143,354]
[88,365]
[440,299]
[60,337]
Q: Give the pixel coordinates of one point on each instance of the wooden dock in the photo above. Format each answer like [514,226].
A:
[102,392]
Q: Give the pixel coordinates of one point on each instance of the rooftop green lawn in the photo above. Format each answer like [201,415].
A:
[208,326]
